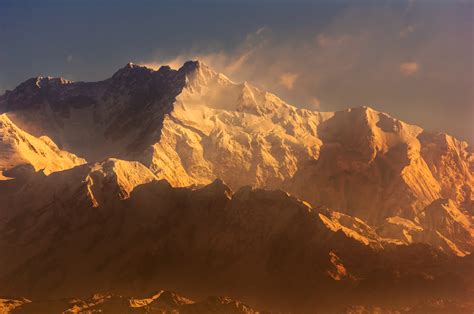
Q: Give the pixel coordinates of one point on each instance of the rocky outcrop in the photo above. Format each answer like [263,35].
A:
[159,302]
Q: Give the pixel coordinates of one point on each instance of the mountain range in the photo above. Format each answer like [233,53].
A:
[186,181]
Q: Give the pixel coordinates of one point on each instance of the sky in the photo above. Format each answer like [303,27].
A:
[410,58]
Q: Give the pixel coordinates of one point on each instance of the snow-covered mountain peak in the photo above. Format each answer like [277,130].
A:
[194,125]
[131,69]
[205,88]
[43,82]
[18,148]
[48,81]
[129,172]
[36,85]
[191,66]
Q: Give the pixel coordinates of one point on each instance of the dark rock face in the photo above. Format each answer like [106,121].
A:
[92,119]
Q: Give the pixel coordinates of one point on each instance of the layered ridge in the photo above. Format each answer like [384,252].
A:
[262,246]
[130,172]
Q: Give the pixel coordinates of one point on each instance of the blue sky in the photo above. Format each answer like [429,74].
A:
[412,59]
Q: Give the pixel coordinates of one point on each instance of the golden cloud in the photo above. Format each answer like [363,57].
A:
[288,80]
[409,68]
[315,103]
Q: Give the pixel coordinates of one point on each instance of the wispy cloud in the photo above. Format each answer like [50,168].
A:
[354,60]
[230,63]
[315,103]
[325,40]
[409,68]
[288,79]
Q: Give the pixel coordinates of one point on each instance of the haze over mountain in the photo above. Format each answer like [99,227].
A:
[187,181]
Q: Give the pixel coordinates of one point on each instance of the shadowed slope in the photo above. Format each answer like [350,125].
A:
[264,247]
[112,118]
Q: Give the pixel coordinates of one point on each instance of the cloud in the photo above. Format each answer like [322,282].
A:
[69,59]
[261,30]
[325,40]
[231,63]
[315,103]
[409,68]
[353,61]
[288,80]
